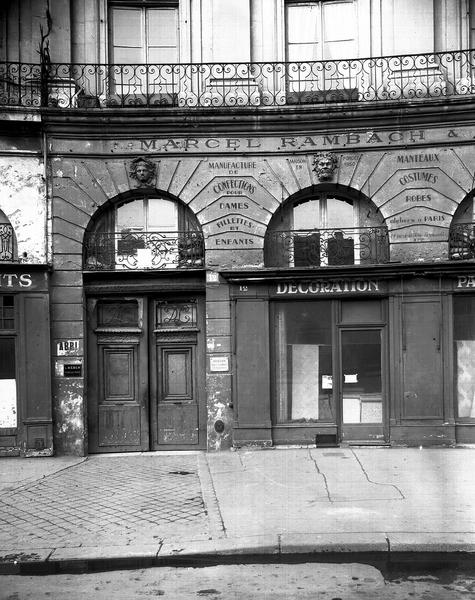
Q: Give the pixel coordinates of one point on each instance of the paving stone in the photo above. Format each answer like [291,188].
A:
[126,498]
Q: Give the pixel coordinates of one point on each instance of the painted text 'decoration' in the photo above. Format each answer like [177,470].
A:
[328,287]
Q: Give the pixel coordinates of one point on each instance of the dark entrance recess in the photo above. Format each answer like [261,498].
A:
[145,369]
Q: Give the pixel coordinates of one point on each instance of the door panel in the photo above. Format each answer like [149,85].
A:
[174,393]
[422,360]
[117,376]
[119,410]
[119,426]
[177,423]
[176,374]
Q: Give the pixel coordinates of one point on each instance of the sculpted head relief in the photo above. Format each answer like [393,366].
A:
[143,171]
[324,165]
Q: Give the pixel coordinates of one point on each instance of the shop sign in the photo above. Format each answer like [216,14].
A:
[14,281]
[340,286]
[466,282]
[26,282]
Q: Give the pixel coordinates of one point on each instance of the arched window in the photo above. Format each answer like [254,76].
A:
[326,229]
[149,232]
[8,250]
[462,231]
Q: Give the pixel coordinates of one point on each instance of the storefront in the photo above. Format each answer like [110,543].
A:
[346,359]
[25,388]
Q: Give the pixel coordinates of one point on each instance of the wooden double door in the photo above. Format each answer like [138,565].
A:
[145,384]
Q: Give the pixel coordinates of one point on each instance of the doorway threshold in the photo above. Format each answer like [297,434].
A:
[365,443]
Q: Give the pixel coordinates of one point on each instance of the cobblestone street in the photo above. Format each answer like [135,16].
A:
[107,500]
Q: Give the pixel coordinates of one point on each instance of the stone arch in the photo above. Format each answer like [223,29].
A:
[143,229]
[326,224]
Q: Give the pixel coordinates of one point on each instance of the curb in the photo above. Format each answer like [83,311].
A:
[293,548]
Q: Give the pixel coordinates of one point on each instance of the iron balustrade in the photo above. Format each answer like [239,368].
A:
[143,250]
[191,85]
[326,247]
[462,241]
[7,239]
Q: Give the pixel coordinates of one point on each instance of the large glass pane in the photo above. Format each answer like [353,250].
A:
[361,376]
[302,31]
[339,214]
[464,352]
[339,25]
[162,28]
[307,215]
[130,216]
[127,35]
[303,366]
[8,403]
[162,215]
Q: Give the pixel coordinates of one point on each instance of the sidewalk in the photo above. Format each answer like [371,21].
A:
[159,508]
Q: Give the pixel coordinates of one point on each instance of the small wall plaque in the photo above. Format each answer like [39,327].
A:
[219,363]
[73,370]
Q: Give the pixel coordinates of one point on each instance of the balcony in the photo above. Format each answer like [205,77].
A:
[326,247]
[132,250]
[358,80]
[462,241]
[7,243]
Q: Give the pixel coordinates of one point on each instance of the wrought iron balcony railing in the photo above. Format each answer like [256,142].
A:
[462,241]
[238,84]
[326,247]
[7,243]
[143,250]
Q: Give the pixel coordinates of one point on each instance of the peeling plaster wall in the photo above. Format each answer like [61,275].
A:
[70,432]
[23,200]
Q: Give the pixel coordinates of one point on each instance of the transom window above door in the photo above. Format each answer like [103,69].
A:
[144,233]
[325,230]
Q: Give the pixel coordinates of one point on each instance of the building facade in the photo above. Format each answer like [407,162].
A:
[236,223]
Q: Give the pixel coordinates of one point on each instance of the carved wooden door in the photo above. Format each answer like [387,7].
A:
[176,374]
[145,374]
[117,376]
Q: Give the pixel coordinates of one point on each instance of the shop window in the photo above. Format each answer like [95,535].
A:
[7,312]
[8,393]
[144,41]
[145,233]
[320,31]
[303,362]
[464,353]
[326,230]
